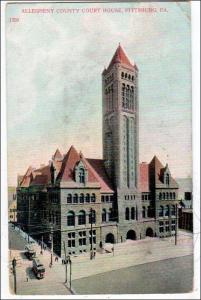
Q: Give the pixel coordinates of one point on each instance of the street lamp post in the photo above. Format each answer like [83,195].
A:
[70,263]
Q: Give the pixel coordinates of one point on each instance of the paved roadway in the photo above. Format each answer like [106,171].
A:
[16,241]
[166,276]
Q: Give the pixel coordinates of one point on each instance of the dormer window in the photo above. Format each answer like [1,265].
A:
[81,175]
[167,179]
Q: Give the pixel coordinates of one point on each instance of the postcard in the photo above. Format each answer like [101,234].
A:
[99,149]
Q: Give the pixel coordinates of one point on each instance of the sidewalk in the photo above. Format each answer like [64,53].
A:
[130,253]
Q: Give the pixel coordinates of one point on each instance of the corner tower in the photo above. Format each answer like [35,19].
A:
[120,127]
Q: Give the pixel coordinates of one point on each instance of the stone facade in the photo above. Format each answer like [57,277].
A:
[86,203]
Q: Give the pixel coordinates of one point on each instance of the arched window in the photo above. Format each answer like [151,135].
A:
[104,215]
[167,210]
[133,213]
[110,215]
[81,175]
[167,196]
[161,210]
[81,198]
[129,76]
[160,196]
[92,217]
[170,195]
[69,198]
[173,210]
[75,198]
[71,218]
[127,217]
[122,75]
[81,217]
[143,212]
[163,196]
[126,75]
[87,198]
[93,197]
[167,179]
[174,196]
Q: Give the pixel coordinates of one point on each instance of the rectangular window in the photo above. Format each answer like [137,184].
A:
[161,229]
[173,225]
[102,198]
[167,228]
[93,236]
[71,239]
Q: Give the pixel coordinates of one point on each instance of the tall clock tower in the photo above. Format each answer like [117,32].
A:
[120,132]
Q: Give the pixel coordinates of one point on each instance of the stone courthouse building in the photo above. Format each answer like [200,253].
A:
[89,202]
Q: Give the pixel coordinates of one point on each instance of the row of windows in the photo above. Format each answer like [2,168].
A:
[127,76]
[81,238]
[147,212]
[81,198]
[131,213]
[81,218]
[128,97]
[54,198]
[167,196]
[167,211]
[165,226]
[107,198]
[106,216]
[146,197]
[53,217]
[129,197]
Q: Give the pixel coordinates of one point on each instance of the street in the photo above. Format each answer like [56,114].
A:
[166,276]
[143,266]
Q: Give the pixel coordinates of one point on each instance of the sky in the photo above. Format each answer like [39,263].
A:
[54,63]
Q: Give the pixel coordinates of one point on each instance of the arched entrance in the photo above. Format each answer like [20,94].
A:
[149,232]
[110,238]
[131,235]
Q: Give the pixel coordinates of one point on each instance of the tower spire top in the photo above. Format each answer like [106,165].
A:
[120,57]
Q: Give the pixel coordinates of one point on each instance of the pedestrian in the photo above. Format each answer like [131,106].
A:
[94,254]
[27,278]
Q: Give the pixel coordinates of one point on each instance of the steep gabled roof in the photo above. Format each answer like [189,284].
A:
[120,57]
[57,155]
[156,171]
[144,178]
[68,165]
[99,171]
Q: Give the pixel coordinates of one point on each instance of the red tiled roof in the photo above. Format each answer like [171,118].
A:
[120,57]
[69,162]
[101,175]
[40,180]
[156,173]
[144,177]
[57,155]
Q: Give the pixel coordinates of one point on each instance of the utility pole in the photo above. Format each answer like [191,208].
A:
[91,250]
[29,219]
[51,246]
[176,226]
[65,262]
[70,271]
[42,244]
[14,274]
